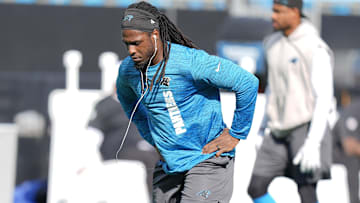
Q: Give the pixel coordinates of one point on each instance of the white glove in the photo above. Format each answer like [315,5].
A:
[260,137]
[308,156]
[259,140]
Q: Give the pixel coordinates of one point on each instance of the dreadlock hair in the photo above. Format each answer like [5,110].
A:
[169,32]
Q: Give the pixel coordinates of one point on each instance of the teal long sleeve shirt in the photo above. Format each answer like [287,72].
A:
[181,116]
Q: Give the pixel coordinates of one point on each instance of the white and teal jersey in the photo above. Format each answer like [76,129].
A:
[183,113]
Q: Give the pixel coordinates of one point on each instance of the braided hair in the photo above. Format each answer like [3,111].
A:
[169,32]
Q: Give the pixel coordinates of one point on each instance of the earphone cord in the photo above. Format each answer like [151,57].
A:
[137,103]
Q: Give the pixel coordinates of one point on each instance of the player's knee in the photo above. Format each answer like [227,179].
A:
[258,186]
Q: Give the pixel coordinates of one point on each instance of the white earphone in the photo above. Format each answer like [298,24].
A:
[138,102]
[154,36]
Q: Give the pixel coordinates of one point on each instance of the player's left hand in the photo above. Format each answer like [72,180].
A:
[224,143]
[308,157]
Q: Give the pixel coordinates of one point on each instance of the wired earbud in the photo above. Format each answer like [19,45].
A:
[138,102]
[154,36]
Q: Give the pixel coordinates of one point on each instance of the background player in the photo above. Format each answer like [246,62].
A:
[299,99]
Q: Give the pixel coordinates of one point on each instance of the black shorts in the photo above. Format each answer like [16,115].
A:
[275,156]
[209,181]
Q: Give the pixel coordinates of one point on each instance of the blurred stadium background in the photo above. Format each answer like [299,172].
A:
[35,34]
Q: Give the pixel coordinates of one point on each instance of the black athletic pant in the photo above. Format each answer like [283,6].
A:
[259,186]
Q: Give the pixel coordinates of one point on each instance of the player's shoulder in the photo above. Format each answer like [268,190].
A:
[180,55]
[181,50]
[127,62]
[127,66]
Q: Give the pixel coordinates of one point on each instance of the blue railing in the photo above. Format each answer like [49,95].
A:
[336,7]
[188,4]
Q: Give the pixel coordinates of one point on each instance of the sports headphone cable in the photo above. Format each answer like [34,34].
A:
[138,102]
